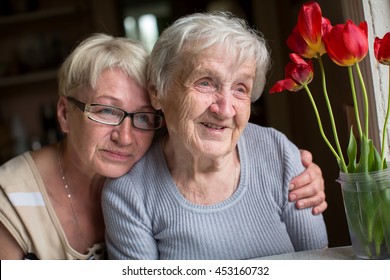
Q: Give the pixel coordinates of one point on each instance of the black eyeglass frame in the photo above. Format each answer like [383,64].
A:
[82,106]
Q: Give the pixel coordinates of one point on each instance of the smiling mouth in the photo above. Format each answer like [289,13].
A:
[213,126]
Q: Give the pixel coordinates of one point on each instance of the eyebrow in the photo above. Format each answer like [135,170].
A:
[106,98]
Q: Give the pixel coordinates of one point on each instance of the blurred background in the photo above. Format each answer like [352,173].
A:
[36,35]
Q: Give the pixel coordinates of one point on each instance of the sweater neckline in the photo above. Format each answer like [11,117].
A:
[217,207]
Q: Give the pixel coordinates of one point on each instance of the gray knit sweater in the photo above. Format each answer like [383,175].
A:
[147,217]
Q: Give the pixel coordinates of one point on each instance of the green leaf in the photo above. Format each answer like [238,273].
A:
[364,155]
[352,152]
[376,163]
[371,156]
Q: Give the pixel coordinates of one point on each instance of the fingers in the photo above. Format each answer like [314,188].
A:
[310,195]
[312,173]
[320,208]
[316,201]
[308,189]
[312,188]
[306,158]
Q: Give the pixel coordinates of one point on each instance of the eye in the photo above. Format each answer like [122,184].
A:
[143,118]
[146,120]
[107,111]
[241,91]
[205,85]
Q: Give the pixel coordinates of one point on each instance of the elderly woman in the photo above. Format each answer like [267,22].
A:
[214,187]
[50,199]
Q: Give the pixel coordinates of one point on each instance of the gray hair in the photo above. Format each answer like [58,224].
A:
[200,31]
[83,67]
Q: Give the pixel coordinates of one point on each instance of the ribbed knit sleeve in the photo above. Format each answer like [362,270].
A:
[129,226]
[281,162]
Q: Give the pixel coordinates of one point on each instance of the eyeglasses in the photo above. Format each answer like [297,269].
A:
[114,116]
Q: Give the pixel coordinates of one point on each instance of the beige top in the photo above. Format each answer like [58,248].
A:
[26,211]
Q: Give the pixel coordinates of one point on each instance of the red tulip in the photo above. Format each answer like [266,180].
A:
[298,73]
[306,37]
[382,49]
[347,44]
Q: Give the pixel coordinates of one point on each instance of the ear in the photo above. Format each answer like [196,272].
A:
[62,114]
[154,98]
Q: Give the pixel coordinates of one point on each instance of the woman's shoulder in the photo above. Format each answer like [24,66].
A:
[29,165]
[150,164]
[262,133]
[16,161]
[268,141]
[16,169]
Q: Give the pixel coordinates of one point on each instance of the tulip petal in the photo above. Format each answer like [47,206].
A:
[310,24]
[382,49]
[306,37]
[302,74]
[355,39]
[297,59]
[287,84]
[298,45]
[377,45]
[347,44]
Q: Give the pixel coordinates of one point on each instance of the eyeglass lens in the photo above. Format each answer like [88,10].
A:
[114,116]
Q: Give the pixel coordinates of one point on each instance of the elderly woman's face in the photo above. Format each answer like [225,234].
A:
[208,104]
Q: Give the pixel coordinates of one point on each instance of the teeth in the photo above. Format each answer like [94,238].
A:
[213,126]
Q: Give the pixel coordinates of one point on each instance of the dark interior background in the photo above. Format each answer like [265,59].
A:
[36,35]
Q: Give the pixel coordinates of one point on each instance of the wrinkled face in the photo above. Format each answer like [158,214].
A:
[208,105]
[109,150]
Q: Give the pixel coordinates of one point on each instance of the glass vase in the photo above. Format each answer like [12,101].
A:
[366,199]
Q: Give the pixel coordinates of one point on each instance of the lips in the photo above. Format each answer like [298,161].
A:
[213,126]
[117,155]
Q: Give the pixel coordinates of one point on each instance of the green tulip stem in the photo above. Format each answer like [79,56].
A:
[320,123]
[385,126]
[336,137]
[366,110]
[355,104]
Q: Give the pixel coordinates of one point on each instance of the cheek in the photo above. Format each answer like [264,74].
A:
[244,112]
[186,113]
[94,138]
[144,140]
[179,110]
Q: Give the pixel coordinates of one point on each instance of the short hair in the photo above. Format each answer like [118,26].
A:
[83,67]
[200,31]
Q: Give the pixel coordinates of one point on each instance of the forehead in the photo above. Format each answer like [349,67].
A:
[216,59]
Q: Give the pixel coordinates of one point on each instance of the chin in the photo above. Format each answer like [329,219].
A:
[218,150]
[114,171]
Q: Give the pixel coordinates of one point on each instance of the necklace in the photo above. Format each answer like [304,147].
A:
[69,195]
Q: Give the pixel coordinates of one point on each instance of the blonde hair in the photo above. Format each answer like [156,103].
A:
[83,67]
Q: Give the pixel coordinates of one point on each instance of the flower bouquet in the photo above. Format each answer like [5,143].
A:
[364,178]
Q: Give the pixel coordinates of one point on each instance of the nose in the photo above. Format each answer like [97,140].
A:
[223,104]
[123,133]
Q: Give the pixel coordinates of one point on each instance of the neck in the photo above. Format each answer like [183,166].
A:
[82,203]
[204,181]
